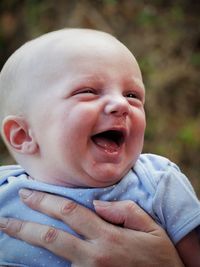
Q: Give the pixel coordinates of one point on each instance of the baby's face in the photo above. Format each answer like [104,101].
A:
[89,121]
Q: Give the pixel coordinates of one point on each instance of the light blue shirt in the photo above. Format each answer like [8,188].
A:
[155,183]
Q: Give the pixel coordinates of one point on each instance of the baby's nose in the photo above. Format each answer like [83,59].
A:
[117,106]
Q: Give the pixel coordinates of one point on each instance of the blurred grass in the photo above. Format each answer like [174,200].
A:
[164,36]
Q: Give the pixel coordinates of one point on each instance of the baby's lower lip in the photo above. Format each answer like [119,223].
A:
[109,151]
[107,145]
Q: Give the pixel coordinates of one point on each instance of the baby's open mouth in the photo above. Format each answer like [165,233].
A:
[110,140]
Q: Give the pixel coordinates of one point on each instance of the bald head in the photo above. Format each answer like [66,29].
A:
[24,72]
[39,63]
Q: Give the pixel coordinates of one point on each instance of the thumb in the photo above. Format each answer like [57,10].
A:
[126,213]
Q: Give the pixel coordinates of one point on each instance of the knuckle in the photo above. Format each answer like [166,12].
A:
[14,227]
[111,236]
[35,199]
[101,259]
[68,207]
[114,237]
[130,206]
[50,235]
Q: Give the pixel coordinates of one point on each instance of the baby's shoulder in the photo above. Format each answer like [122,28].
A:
[153,168]
[155,162]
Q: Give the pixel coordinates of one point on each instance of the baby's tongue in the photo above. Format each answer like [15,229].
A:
[105,143]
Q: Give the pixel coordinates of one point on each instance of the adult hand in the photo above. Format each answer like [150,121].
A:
[141,242]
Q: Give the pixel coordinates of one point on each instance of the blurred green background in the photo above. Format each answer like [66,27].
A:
[165,38]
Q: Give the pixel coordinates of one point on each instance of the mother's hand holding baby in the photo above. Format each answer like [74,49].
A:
[140,242]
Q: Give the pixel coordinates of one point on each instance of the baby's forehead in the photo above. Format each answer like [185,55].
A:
[65,46]
[52,51]
[58,51]
[52,47]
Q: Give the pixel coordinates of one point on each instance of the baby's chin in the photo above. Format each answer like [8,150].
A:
[108,179]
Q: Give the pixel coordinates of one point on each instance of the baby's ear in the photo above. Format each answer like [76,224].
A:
[18,136]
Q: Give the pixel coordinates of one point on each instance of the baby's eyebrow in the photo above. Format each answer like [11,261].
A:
[90,78]
[136,82]
[94,78]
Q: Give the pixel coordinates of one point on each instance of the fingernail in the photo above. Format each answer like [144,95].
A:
[3,222]
[25,193]
[100,203]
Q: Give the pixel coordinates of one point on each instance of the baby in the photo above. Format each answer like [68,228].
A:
[72,115]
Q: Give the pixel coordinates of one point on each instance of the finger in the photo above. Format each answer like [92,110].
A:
[79,218]
[127,213]
[57,241]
